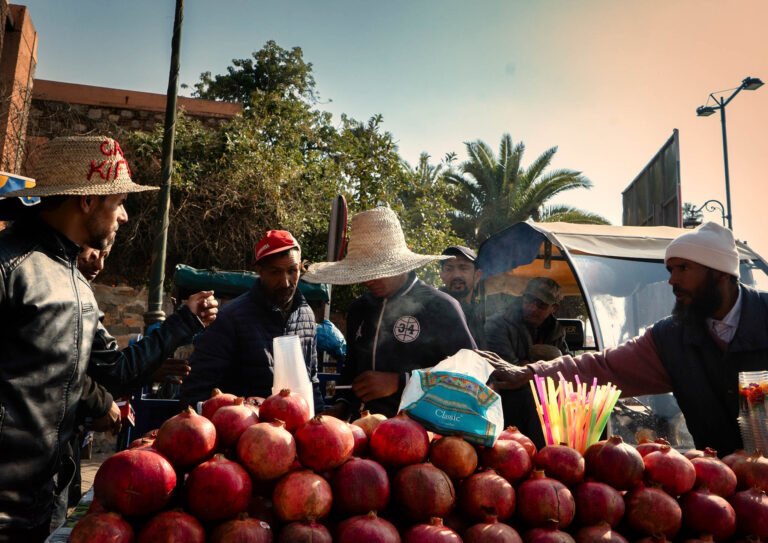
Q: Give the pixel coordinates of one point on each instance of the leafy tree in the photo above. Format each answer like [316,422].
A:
[272,70]
[692,217]
[496,192]
[278,165]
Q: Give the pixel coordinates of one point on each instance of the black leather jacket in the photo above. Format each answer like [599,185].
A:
[49,325]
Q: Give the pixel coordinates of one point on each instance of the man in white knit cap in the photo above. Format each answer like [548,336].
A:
[717,329]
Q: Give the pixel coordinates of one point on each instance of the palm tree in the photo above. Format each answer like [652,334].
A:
[496,192]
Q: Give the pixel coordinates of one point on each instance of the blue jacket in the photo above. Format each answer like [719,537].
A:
[234,354]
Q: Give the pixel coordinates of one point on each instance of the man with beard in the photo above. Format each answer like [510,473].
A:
[526,331]
[460,276]
[235,354]
[49,322]
[717,329]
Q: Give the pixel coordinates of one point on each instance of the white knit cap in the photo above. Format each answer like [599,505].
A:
[710,245]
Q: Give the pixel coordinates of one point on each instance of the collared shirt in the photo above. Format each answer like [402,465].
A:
[725,329]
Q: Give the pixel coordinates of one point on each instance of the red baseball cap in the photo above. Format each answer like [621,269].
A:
[275,241]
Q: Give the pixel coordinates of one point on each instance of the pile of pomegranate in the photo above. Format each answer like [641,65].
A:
[254,470]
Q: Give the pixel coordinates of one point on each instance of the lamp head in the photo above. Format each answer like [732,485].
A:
[704,111]
[751,83]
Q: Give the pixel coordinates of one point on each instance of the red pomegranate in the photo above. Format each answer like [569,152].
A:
[599,533]
[705,538]
[242,528]
[509,458]
[549,533]
[102,528]
[142,443]
[752,472]
[561,462]
[647,446]
[736,456]
[690,454]
[218,489]
[541,499]
[324,443]
[368,528]
[434,532]
[423,491]
[231,421]
[597,502]
[707,513]
[399,441]
[217,399]
[305,532]
[614,462]
[751,507]
[267,450]
[670,469]
[360,485]
[486,493]
[369,421]
[714,474]
[454,455]
[134,482]
[650,510]
[361,440]
[661,538]
[302,495]
[287,406]
[513,433]
[172,526]
[186,439]
[491,531]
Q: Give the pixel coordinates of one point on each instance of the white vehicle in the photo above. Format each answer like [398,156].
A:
[614,283]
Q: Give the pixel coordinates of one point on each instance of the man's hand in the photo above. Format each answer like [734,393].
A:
[109,422]
[511,378]
[173,370]
[204,305]
[495,360]
[372,385]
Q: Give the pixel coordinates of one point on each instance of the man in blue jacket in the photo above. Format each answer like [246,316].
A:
[235,353]
[399,325]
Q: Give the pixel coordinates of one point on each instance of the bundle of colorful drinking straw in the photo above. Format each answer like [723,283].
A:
[573,414]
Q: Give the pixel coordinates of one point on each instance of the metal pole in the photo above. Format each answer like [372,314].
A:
[725,162]
[155,312]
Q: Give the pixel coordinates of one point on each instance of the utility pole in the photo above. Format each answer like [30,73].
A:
[155,313]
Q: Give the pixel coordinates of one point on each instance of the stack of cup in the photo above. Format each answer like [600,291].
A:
[753,420]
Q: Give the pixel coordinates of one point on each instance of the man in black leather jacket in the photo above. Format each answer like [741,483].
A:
[49,322]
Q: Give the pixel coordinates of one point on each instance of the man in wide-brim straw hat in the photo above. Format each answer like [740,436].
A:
[49,322]
[399,325]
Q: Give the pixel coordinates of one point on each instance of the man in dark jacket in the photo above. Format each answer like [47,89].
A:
[527,330]
[460,275]
[717,330]
[49,321]
[235,353]
[399,325]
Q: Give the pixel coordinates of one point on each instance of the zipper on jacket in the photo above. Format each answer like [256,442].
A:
[381,317]
[78,341]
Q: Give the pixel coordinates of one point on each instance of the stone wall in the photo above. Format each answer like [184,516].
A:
[124,307]
[63,109]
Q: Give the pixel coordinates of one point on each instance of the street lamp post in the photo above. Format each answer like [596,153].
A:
[749,83]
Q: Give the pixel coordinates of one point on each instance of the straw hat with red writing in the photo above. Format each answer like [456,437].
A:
[80,166]
[377,249]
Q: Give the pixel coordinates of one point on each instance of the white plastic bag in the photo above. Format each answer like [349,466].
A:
[453,399]
[291,370]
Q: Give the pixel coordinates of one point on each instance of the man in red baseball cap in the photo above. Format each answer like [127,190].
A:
[236,355]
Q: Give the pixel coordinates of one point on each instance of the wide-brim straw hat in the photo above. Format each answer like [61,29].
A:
[377,249]
[80,166]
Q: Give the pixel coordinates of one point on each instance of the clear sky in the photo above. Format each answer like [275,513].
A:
[604,80]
